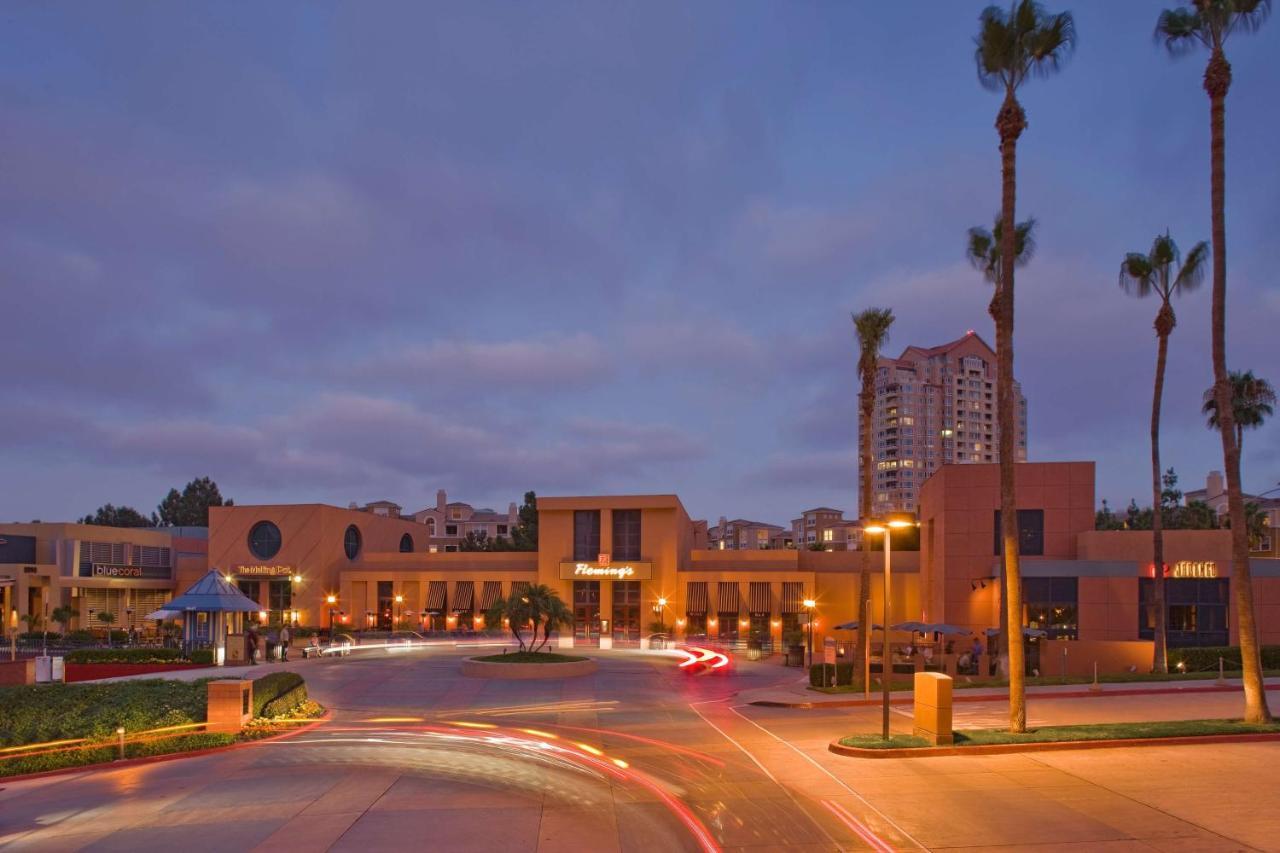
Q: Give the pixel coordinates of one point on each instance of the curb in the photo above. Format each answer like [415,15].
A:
[1046,746]
[906,698]
[528,671]
[168,756]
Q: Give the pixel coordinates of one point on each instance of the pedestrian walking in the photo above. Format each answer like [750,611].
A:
[285,636]
[251,642]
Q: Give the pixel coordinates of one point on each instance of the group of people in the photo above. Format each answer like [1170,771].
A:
[275,642]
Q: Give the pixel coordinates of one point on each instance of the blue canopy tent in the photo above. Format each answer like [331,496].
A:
[205,609]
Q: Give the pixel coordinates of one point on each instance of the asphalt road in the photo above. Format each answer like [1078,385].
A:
[642,756]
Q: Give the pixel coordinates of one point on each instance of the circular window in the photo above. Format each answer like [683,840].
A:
[264,540]
[406,544]
[351,542]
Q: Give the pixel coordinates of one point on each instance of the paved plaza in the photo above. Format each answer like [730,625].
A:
[643,757]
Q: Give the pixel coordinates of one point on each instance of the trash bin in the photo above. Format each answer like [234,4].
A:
[59,669]
[44,669]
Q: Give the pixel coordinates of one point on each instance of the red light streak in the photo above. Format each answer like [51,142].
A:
[697,654]
[858,828]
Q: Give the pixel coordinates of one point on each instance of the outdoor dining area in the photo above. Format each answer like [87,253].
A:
[930,647]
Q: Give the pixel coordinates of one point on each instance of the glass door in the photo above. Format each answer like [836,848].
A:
[586,613]
[626,613]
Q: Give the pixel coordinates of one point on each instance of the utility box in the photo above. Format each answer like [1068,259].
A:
[236,649]
[44,669]
[230,705]
[59,669]
[933,708]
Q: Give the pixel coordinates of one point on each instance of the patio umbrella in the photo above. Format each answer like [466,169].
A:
[853,626]
[1026,632]
[948,630]
[915,627]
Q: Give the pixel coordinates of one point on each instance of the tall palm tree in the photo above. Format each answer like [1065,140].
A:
[1153,274]
[872,329]
[1011,47]
[983,251]
[1252,402]
[1208,23]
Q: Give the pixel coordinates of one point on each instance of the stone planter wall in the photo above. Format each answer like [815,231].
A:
[483,669]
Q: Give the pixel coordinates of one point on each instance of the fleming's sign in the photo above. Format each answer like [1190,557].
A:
[264,571]
[626,570]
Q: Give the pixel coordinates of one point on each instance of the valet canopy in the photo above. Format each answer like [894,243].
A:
[211,594]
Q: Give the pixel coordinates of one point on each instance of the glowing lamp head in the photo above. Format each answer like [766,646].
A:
[809,603]
[662,602]
[262,615]
[332,599]
[399,599]
[297,578]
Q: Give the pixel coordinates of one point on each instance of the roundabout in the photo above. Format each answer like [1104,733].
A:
[529,665]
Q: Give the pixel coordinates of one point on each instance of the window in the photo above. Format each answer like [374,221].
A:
[280,596]
[251,589]
[351,542]
[451,530]
[1197,611]
[502,530]
[406,544]
[1052,605]
[264,540]
[586,534]
[1030,532]
[626,534]
[828,535]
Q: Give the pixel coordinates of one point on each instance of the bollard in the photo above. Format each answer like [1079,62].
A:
[1095,687]
[1222,673]
[120,732]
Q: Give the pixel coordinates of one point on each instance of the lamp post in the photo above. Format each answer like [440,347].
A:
[662,615]
[399,602]
[331,600]
[892,521]
[809,604]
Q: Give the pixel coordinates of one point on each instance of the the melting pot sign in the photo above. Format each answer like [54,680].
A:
[622,571]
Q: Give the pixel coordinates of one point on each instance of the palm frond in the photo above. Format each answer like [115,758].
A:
[1137,275]
[872,328]
[1180,31]
[1244,15]
[1191,273]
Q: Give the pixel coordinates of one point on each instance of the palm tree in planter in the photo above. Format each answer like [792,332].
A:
[983,250]
[872,329]
[32,621]
[514,610]
[63,616]
[106,617]
[1207,24]
[1158,273]
[1252,402]
[1013,46]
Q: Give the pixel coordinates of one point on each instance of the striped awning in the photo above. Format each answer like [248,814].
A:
[730,598]
[518,587]
[437,593]
[758,603]
[490,593]
[696,598]
[792,597]
[464,596]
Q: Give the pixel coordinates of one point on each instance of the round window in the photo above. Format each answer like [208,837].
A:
[351,542]
[406,544]
[264,540]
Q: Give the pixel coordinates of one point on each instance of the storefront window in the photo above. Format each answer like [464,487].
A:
[626,611]
[586,610]
[251,589]
[696,624]
[1197,611]
[728,626]
[280,600]
[1030,533]
[1051,604]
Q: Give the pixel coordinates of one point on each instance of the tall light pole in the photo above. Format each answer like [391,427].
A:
[331,600]
[809,604]
[892,521]
[399,602]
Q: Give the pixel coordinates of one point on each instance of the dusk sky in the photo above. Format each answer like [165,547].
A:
[344,252]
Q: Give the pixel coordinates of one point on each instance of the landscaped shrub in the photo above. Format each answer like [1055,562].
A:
[44,712]
[201,656]
[40,636]
[275,686]
[79,638]
[110,752]
[818,672]
[124,656]
[286,703]
[1205,659]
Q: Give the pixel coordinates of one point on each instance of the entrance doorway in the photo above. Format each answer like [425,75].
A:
[626,613]
[586,613]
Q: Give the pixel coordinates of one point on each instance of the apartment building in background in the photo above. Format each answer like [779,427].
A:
[935,406]
[448,523]
[827,527]
[1263,544]
[743,535]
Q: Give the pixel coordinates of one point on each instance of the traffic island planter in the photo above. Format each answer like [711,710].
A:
[476,668]
[1047,745]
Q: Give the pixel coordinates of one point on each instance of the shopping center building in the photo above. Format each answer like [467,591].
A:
[125,572]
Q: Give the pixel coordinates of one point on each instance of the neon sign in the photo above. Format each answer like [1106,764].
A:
[630,570]
[1194,569]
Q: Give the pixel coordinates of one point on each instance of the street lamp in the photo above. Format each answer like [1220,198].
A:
[399,601]
[892,521]
[809,604]
[331,600]
[662,608]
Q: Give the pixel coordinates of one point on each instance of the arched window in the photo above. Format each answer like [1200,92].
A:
[406,544]
[431,526]
[351,542]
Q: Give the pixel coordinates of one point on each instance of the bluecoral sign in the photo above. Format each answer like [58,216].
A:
[261,571]
[626,570]
[111,570]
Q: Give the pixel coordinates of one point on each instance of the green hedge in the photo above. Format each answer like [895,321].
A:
[286,703]
[124,656]
[42,712]
[110,752]
[276,686]
[844,674]
[1205,659]
[202,656]
[80,638]
[39,636]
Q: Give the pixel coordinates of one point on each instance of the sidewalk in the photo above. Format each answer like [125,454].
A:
[798,695]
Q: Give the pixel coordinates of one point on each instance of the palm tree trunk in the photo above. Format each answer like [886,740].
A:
[1159,657]
[1009,122]
[866,410]
[1217,80]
